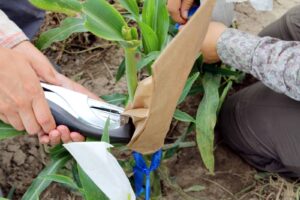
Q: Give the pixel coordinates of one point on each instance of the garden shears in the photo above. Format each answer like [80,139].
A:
[85,115]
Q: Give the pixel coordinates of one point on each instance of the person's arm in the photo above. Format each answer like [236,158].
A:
[275,62]
[22,102]
[10,33]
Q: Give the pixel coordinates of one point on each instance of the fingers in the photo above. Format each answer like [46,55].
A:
[61,134]
[15,120]
[77,137]
[185,7]
[29,121]
[55,137]
[65,134]
[43,138]
[174,7]
[4,119]
[43,115]
[39,63]
[45,70]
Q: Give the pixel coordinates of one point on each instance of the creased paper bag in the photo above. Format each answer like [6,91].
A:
[157,96]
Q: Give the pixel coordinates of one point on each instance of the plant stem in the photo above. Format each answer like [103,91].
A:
[131,72]
[181,145]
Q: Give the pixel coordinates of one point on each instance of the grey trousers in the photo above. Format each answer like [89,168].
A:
[263,126]
[27,17]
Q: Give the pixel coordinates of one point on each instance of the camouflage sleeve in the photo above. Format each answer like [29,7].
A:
[10,33]
[275,62]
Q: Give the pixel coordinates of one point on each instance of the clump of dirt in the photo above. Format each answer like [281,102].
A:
[21,159]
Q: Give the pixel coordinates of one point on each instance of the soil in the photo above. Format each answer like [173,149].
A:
[22,158]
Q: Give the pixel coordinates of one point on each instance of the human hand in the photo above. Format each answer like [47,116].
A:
[46,72]
[22,102]
[179,9]
[209,46]
[39,63]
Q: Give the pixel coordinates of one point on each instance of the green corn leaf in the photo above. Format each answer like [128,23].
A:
[69,7]
[116,99]
[103,20]
[67,27]
[121,70]
[196,89]
[11,193]
[57,152]
[183,117]
[188,86]
[131,72]
[74,5]
[132,44]
[145,61]
[216,69]
[105,136]
[64,180]
[149,37]
[156,16]
[39,184]
[7,131]
[169,153]
[206,119]
[75,174]
[224,94]
[132,7]
[90,189]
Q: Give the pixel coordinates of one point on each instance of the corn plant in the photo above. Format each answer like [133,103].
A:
[149,32]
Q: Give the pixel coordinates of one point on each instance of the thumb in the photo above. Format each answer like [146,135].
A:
[45,71]
[39,63]
[185,7]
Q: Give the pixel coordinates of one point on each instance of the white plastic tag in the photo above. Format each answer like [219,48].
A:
[103,168]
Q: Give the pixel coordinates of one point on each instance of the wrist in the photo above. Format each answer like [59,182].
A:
[210,45]
[13,40]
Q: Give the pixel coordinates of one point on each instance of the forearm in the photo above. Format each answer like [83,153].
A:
[276,63]
[10,33]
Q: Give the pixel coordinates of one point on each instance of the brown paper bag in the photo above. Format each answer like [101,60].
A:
[156,97]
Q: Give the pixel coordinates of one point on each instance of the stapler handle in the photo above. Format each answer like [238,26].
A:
[122,134]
